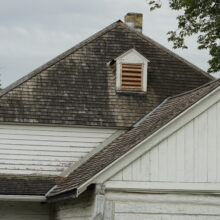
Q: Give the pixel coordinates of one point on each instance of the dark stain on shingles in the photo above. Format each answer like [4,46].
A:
[23,185]
[85,79]
[94,76]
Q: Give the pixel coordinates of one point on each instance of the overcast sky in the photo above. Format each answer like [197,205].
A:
[33,32]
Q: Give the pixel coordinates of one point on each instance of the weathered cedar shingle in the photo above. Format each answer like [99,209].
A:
[25,185]
[78,88]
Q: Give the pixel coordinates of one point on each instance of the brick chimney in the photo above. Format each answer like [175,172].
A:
[134,20]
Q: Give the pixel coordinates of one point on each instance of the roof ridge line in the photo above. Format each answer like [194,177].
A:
[144,37]
[58,58]
[150,113]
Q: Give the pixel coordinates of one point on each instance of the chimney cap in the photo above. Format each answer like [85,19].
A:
[134,20]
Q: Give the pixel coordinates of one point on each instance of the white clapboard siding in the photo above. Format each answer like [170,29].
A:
[190,155]
[23,211]
[46,150]
[133,206]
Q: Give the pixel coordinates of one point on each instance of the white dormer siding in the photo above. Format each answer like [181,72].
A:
[189,159]
[44,150]
[131,72]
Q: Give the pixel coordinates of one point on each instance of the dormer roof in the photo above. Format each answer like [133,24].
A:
[136,56]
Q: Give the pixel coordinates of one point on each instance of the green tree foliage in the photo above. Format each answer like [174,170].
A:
[200,17]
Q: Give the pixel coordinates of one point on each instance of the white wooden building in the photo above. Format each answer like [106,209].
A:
[172,174]
[118,127]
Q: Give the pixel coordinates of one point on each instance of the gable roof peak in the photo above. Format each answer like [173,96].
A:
[63,78]
[59,57]
[88,40]
[148,39]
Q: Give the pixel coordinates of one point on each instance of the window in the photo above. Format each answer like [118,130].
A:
[131,72]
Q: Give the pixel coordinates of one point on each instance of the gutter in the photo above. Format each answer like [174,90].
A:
[22,198]
[72,194]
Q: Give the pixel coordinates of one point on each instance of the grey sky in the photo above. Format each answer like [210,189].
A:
[33,32]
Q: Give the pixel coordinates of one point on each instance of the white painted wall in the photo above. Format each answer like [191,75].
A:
[46,150]
[76,209]
[189,155]
[23,211]
[136,206]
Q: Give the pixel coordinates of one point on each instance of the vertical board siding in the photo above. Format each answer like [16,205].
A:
[154,164]
[218,142]
[181,165]
[191,154]
[212,152]
[134,206]
[188,152]
[23,211]
[45,150]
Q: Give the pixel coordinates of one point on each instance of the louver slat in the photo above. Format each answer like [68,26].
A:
[131,76]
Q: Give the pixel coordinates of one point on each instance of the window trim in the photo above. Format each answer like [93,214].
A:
[131,57]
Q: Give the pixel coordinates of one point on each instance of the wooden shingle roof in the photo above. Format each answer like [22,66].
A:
[25,185]
[78,88]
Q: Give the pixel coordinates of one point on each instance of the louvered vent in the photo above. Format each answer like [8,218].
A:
[131,76]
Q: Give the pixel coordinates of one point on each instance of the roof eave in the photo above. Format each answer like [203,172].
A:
[23,198]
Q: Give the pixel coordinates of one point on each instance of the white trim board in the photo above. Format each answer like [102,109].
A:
[132,50]
[163,198]
[146,145]
[163,187]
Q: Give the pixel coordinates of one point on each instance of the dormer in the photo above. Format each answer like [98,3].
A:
[131,72]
